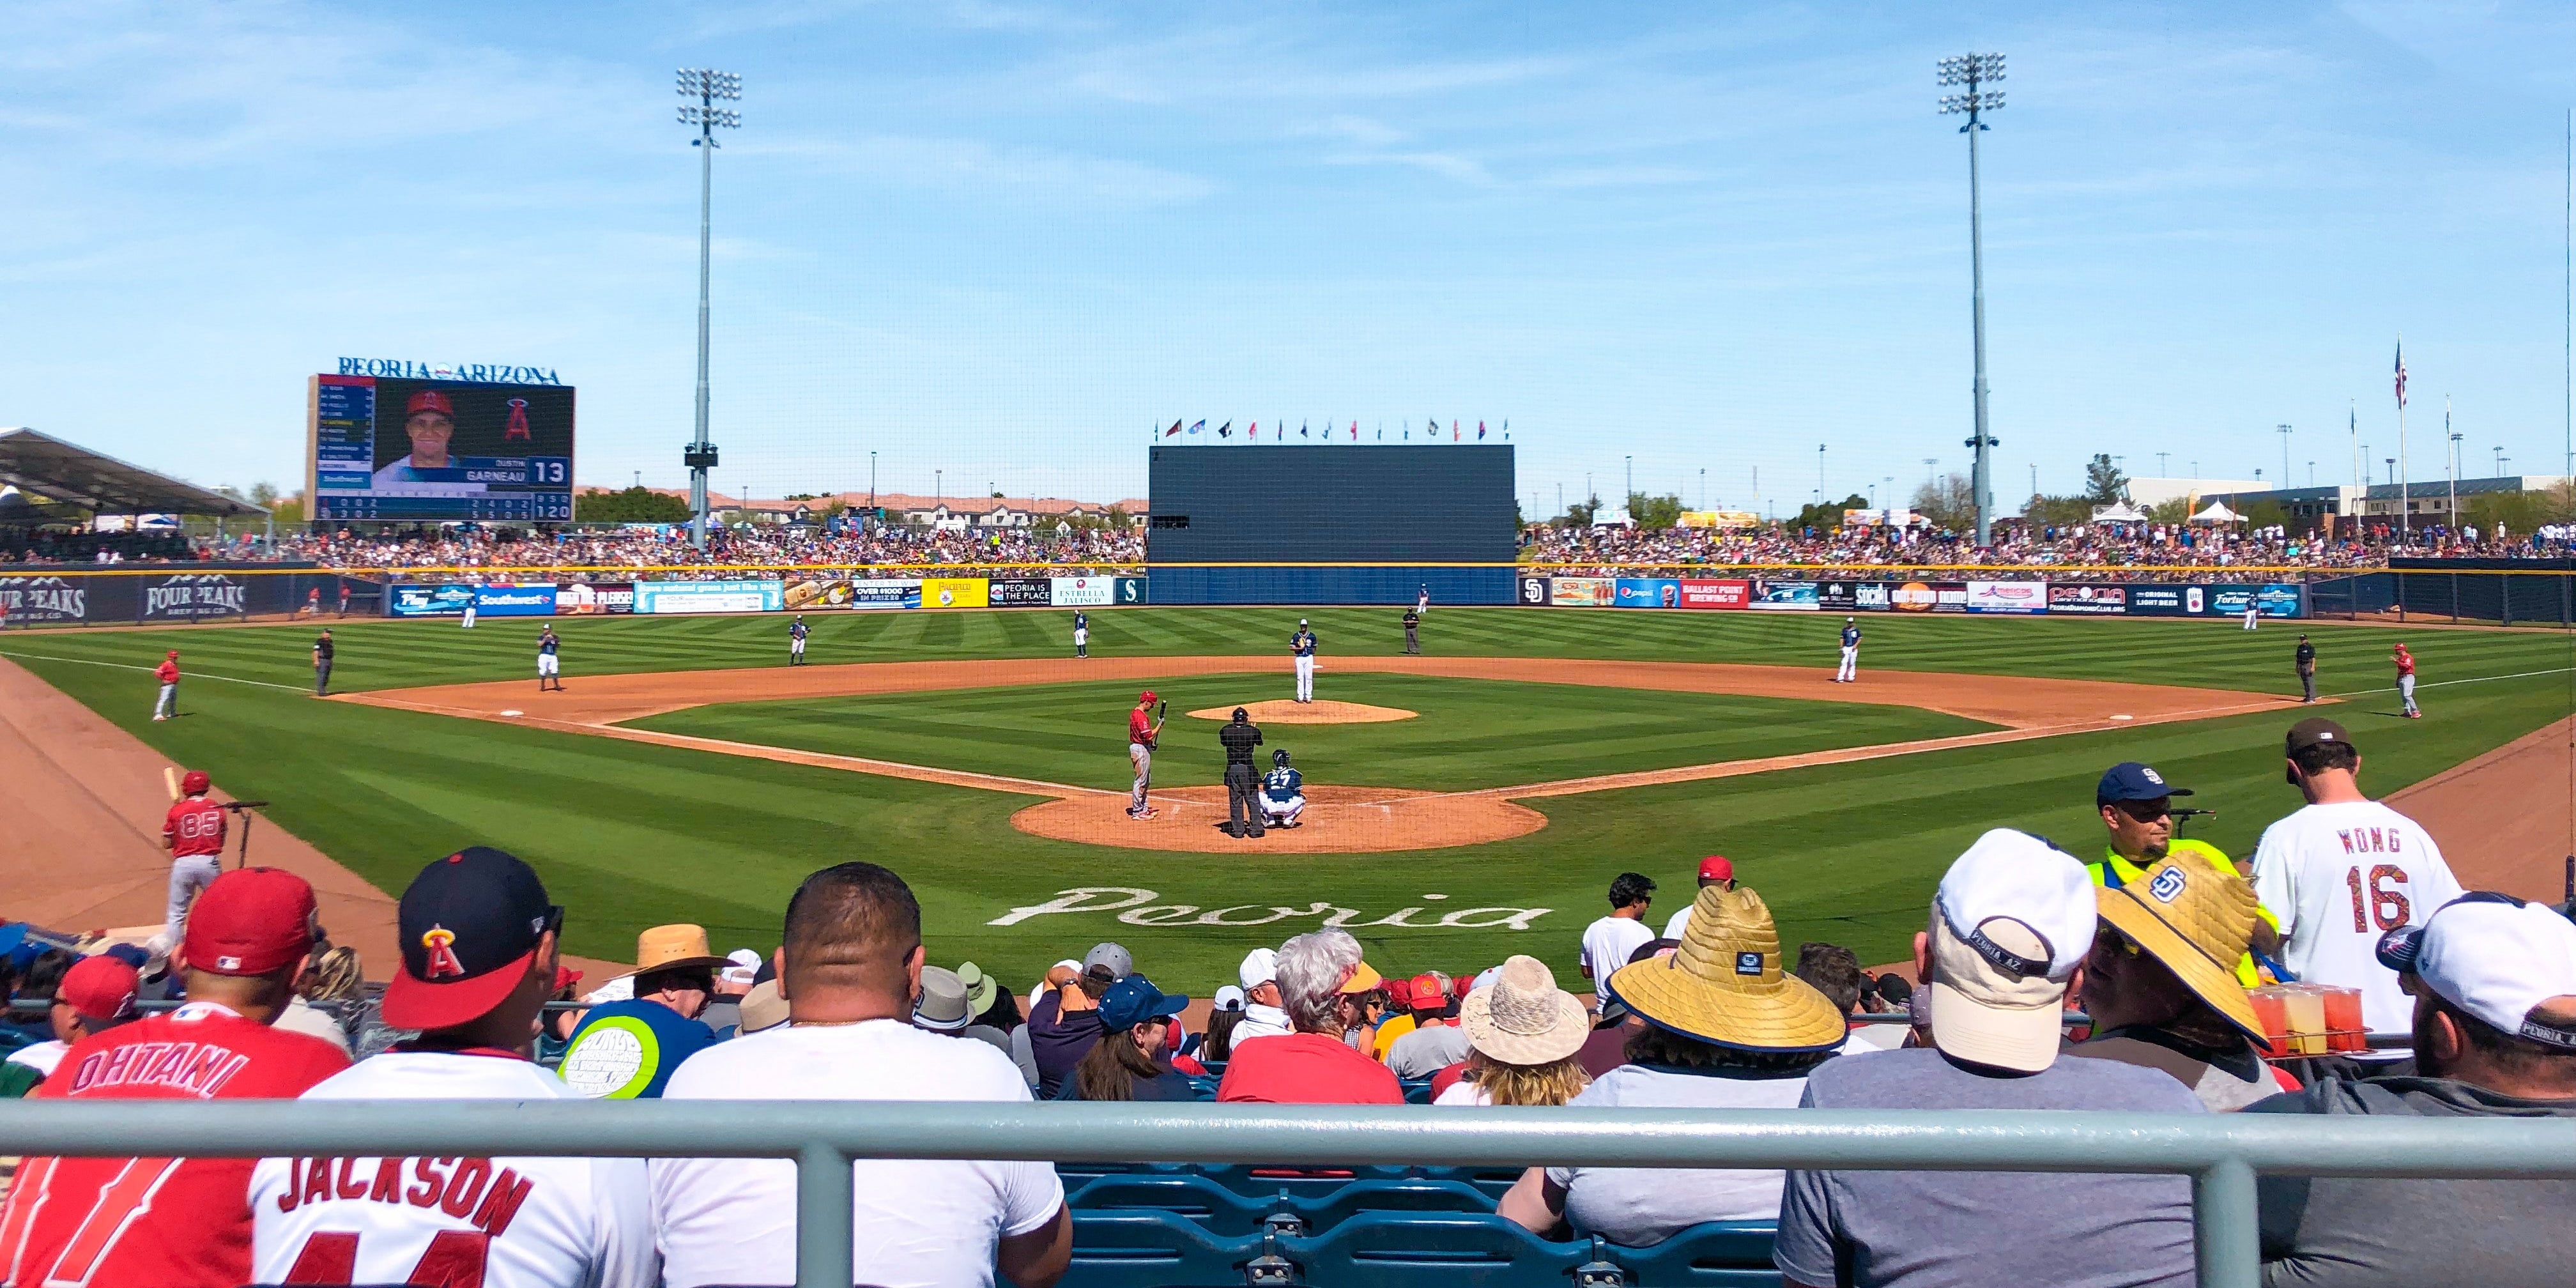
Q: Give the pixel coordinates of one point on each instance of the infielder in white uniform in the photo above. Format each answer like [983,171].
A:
[2343,871]
[469,608]
[549,662]
[1850,668]
[1283,792]
[1303,645]
[1422,601]
[479,960]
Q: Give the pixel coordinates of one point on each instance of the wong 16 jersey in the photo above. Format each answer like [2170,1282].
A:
[455,1222]
[2340,876]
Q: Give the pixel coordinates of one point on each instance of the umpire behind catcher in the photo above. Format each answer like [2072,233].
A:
[1242,782]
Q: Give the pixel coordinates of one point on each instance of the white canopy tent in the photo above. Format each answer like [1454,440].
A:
[2119,512]
[2218,513]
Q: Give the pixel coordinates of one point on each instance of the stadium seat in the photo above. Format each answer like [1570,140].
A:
[1492,1180]
[1402,1250]
[1155,1250]
[1719,1254]
[1227,1213]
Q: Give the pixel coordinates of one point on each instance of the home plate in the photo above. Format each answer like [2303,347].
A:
[521,713]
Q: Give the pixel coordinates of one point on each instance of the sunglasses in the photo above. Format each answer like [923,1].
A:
[2145,811]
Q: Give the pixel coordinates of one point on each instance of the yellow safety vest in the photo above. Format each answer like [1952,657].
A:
[2117,870]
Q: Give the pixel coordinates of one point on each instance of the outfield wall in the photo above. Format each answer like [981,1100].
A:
[174,594]
[2019,598]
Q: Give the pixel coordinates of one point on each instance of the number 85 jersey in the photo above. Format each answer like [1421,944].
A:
[2340,876]
[184,1223]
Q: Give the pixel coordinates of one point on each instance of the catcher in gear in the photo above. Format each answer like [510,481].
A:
[1283,792]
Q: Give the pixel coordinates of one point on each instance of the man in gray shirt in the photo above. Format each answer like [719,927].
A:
[2494,983]
[2013,920]
[1435,1042]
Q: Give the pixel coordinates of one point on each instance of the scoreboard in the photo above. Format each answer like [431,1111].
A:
[399,449]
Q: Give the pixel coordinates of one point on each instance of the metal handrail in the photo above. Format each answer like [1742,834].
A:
[2220,1153]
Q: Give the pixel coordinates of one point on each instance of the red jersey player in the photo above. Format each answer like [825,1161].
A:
[167,705]
[193,833]
[176,1223]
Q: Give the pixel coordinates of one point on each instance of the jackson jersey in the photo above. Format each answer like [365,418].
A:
[1283,784]
[164,1222]
[497,1222]
[2338,877]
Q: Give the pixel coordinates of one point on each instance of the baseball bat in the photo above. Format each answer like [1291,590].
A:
[170,779]
[1161,711]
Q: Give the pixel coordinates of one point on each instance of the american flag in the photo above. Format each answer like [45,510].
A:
[2401,374]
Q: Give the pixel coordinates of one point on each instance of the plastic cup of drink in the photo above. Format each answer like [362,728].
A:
[2275,1017]
[2306,1004]
[2345,1029]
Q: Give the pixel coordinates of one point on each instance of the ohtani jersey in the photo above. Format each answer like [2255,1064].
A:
[491,1222]
[194,826]
[163,1222]
[1283,784]
[2338,877]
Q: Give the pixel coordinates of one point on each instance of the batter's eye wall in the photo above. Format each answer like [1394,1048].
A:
[1427,508]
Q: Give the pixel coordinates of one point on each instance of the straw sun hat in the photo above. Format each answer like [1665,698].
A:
[1724,985]
[2196,921]
[1522,1017]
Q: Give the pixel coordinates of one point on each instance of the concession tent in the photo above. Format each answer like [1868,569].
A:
[2119,512]
[2218,513]
[55,480]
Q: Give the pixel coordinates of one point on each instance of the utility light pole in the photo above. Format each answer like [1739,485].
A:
[708,87]
[2285,455]
[1973,71]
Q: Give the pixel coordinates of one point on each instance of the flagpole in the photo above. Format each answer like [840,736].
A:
[2402,504]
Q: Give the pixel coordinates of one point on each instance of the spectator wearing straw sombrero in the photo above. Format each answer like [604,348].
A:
[627,1050]
[2161,983]
[1725,1028]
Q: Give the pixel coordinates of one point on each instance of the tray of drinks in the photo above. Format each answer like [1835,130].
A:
[2309,1019]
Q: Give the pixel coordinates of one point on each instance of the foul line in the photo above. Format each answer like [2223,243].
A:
[129,666]
[2475,679]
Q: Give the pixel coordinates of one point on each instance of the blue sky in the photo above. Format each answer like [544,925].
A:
[1000,240]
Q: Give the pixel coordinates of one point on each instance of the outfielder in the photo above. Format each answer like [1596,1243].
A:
[469,608]
[1849,671]
[2253,615]
[549,666]
[1422,599]
[193,833]
[2406,682]
[1283,792]
[1081,634]
[796,631]
[167,705]
[1303,645]
[1143,731]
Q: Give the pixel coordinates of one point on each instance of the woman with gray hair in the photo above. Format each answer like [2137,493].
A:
[1319,975]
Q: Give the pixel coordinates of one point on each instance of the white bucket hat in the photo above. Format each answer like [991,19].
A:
[1523,1018]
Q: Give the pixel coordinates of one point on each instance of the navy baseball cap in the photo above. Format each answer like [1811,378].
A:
[468,926]
[2131,781]
[1134,1000]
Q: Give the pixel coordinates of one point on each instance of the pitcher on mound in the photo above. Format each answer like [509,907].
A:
[1303,645]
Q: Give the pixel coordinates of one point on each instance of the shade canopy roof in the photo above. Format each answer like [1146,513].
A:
[46,469]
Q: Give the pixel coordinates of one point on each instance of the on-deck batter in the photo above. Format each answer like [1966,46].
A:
[193,833]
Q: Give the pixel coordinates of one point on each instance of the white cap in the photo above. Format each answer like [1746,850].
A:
[744,957]
[2016,919]
[620,989]
[1260,966]
[2498,961]
[1226,998]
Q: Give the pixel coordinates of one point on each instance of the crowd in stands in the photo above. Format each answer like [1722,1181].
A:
[2100,548]
[31,545]
[1716,1012]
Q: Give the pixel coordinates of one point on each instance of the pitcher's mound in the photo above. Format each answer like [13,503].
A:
[1304,713]
[1338,820]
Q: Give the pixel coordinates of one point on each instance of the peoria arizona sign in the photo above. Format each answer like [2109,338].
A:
[480,373]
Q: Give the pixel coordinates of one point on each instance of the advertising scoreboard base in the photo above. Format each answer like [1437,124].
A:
[1997,597]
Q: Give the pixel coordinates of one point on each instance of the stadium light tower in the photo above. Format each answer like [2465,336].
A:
[706,86]
[1975,71]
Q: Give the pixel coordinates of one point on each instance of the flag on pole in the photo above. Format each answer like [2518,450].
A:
[1301,430]
[1252,433]
[1453,431]
[2401,373]
[1355,431]
[1480,431]
[1176,428]
[1198,425]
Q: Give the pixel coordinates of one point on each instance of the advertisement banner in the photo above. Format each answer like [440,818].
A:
[2063,598]
[1132,590]
[2007,597]
[1081,592]
[586,598]
[768,596]
[515,601]
[1021,592]
[1582,592]
[1647,592]
[955,592]
[2229,601]
[2163,601]
[882,593]
[2281,599]
[1703,593]
[408,600]
[1929,597]
[1533,591]
[803,592]
[193,597]
[1787,597]
[1853,597]
[32,601]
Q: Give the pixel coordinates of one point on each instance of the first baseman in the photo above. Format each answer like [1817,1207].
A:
[1849,671]
[796,631]
[1143,731]
[1081,633]
[193,833]
[1283,791]
[2406,682]
[549,666]
[1302,643]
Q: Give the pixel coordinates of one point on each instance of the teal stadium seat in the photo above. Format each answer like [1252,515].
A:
[1226,1212]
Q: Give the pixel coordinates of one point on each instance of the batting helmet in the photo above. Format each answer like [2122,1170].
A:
[195,781]
[1146,696]
[1280,758]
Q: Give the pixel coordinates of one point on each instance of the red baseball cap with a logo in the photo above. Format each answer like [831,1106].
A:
[1716,868]
[250,921]
[100,990]
[468,926]
[429,400]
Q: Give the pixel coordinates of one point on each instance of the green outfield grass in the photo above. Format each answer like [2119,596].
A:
[629,834]
[1469,733]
